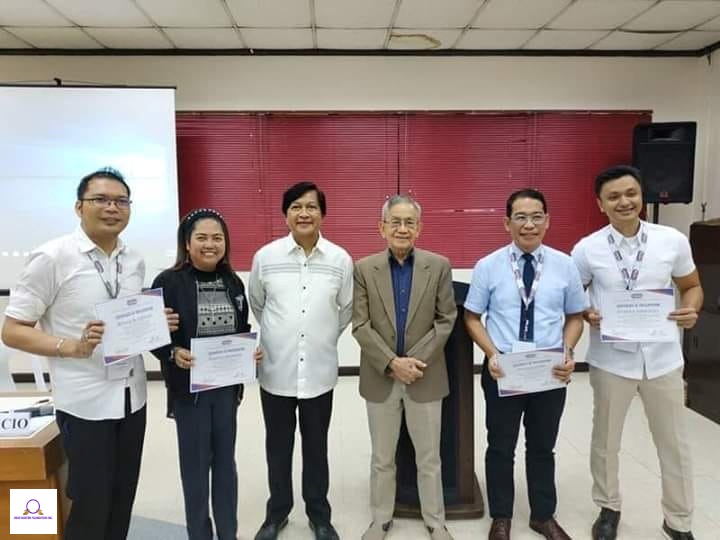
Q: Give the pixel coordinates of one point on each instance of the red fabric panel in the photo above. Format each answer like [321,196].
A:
[570,149]
[218,167]
[352,158]
[461,167]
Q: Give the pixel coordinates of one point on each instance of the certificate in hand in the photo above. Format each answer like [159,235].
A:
[133,325]
[222,361]
[638,316]
[529,371]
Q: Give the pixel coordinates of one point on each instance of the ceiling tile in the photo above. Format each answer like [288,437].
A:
[676,15]
[691,41]
[518,13]
[56,38]
[187,13]
[332,38]
[423,39]
[271,13]
[435,14]
[600,14]
[101,13]
[353,13]
[29,13]
[278,38]
[711,25]
[204,38]
[620,40]
[130,38]
[494,39]
[8,41]
[565,39]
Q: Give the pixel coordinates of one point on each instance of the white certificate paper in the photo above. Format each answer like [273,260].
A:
[529,371]
[638,316]
[222,361]
[133,325]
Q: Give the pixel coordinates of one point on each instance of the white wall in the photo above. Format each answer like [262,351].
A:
[674,89]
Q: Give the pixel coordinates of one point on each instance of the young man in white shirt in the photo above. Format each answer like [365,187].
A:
[100,409]
[300,291]
[631,254]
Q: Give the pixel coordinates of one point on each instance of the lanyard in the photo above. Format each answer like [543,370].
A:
[526,298]
[101,272]
[629,275]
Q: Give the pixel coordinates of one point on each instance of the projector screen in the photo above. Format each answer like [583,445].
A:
[50,137]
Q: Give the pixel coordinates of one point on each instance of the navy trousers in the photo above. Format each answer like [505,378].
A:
[206,431]
[540,414]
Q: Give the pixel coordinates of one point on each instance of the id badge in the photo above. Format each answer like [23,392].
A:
[626,346]
[523,346]
[118,370]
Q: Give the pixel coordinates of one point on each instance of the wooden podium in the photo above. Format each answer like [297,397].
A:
[35,462]
[463,497]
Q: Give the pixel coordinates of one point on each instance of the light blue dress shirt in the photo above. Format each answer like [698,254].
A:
[493,291]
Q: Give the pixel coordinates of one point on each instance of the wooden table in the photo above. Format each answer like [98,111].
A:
[35,462]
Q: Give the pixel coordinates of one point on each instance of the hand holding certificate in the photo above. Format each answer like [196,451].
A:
[529,371]
[222,361]
[133,325]
[638,316]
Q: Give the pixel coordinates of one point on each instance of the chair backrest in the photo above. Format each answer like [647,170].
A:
[6,381]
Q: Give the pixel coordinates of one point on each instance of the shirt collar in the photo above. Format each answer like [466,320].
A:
[519,252]
[622,239]
[86,245]
[291,245]
[410,257]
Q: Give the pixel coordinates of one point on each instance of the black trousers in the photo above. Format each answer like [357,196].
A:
[540,414]
[280,422]
[103,469]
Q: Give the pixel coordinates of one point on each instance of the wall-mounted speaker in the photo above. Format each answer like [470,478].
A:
[665,154]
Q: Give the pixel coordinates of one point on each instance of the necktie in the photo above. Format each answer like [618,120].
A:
[527,315]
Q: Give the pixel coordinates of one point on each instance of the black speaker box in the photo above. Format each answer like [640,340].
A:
[665,155]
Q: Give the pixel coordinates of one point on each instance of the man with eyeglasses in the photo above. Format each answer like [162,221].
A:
[403,313]
[100,409]
[533,298]
[300,291]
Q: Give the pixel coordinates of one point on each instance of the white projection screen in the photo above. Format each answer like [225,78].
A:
[50,137]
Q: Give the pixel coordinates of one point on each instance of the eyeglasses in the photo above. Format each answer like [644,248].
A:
[310,208]
[522,219]
[105,202]
[397,223]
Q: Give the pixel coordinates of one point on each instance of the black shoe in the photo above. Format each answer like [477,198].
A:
[270,530]
[672,534]
[323,531]
[605,526]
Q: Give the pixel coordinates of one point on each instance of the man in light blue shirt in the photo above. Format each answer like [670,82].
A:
[533,298]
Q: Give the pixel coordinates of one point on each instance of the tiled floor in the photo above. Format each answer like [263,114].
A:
[159,506]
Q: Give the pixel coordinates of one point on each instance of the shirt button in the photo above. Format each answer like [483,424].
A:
[304,287]
[302,359]
[303,311]
[302,335]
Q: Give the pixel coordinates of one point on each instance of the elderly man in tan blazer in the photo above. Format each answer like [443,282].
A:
[403,313]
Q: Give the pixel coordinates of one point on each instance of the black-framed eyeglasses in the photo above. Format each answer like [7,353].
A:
[105,202]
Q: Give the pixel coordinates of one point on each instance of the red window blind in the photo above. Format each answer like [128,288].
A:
[461,167]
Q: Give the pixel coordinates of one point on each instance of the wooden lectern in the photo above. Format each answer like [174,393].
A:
[463,497]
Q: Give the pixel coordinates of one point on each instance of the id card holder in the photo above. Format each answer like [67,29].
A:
[118,370]
[626,346]
[523,346]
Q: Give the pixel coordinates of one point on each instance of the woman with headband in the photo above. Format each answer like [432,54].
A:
[210,299]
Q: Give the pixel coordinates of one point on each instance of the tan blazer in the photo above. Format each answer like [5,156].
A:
[430,320]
